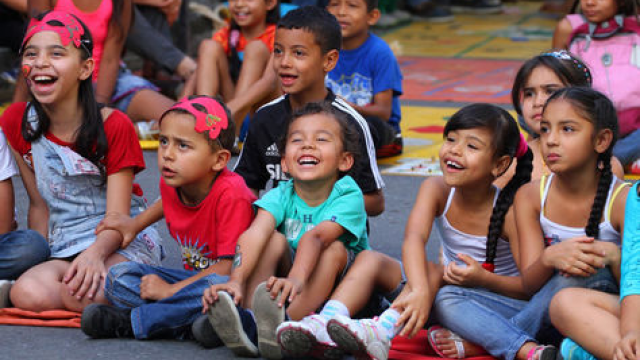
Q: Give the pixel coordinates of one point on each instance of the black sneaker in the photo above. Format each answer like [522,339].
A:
[104,321]
[204,334]
[234,325]
[476,6]
[392,149]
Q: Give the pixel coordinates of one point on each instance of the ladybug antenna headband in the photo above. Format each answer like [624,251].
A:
[210,115]
[71,29]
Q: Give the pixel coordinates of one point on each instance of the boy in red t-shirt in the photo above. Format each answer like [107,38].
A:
[206,208]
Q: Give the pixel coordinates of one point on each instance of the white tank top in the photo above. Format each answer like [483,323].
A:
[456,242]
[554,232]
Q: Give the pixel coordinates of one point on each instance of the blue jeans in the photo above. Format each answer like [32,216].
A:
[627,149]
[19,251]
[501,324]
[170,317]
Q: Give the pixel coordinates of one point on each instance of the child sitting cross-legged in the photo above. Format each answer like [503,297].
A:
[206,208]
[305,235]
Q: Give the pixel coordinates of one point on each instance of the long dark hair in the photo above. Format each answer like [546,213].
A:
[599,110]
[506,140]
[90,140]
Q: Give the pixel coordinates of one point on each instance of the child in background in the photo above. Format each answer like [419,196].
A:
[77,162]
[536,80]
[605,325]
[462,204]
[238,54]
[19,249]
[605,35]
[109,23]
[206,208]
[306,49]
[367,75]
[306,233]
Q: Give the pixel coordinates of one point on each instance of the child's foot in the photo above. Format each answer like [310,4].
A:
[104,321]
[308,337]
[449,345]
[204,334]
[268,317]
[234,325]
[361,338]
[544,352]
[5,289]
[570,350]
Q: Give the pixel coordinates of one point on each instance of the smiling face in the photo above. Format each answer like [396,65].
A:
[567,139]
[249,14]
[299,62]
[314,151]
[597,11]
[354,19]
[467,156]
[539,86]
[185,157]
[55,70]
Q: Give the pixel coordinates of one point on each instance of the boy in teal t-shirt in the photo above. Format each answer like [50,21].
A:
[294,217]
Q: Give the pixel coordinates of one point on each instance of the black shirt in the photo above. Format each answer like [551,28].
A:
[260,157]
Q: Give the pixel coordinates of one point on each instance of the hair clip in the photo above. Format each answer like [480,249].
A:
[567,56]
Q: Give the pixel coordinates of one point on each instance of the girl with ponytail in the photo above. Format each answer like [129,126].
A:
[481,142]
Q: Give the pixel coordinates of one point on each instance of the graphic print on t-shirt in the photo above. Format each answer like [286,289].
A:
[357,88]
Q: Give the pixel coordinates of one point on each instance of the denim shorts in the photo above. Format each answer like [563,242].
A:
[127,85]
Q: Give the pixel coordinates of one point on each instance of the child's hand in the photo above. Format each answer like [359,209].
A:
[576,257]
[468,276]
[152,287]
[85,275]
[121,223]
[211,294]
[628,348]
[290,288]
[415,312]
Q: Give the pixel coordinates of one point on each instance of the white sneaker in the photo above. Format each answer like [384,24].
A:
[361,338]
[308,337]
[5,288]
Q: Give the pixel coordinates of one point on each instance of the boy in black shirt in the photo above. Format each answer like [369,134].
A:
[306,48]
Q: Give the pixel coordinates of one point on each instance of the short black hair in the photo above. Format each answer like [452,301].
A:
[319,22]
[371,5]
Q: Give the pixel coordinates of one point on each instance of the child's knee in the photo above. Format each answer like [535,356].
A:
[209,48]
[29,294]
[122,285]
[335,253]
[562,302]
[256,48]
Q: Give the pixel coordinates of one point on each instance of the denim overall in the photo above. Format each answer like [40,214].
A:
[70,185]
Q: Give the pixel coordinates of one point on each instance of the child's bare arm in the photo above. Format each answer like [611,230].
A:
[380,107]
[251,245]
[6,209]
[110,63]
[309,248]
[374,202]
[130,227]
[38,213]
[561,35]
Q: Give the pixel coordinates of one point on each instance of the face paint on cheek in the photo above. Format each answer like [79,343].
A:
[26,70]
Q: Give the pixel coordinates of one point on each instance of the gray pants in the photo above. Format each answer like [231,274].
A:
[150,37]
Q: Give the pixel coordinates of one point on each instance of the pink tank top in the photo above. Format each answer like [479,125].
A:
[97,22]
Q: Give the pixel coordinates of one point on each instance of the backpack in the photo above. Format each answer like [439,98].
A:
[612,52]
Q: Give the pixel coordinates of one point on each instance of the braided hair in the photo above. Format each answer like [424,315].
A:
[507,140]
[595,107]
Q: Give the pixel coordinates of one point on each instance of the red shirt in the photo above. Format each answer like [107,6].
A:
[209,231]
[123,147]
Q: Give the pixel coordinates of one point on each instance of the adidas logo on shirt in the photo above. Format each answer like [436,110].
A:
[272,150]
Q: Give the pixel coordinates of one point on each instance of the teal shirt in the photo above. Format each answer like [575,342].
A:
[630,281]
[344,206]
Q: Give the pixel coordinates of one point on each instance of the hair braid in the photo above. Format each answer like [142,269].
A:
[505,199]
[606,176]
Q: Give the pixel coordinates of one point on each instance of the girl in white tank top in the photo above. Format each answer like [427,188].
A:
[570,223]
